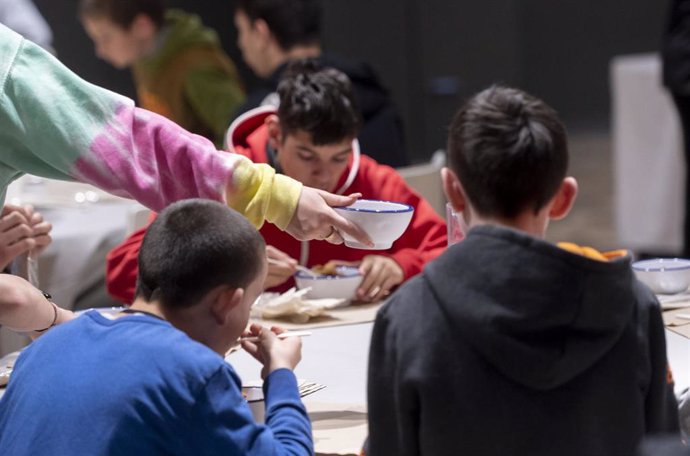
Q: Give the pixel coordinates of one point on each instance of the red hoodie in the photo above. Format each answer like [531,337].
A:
[423,240]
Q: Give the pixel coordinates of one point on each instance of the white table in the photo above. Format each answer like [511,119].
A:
[335,356]
[648,158]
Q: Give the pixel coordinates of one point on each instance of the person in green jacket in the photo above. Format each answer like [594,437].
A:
[179,68]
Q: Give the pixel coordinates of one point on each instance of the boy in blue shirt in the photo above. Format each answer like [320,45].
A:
[152,379]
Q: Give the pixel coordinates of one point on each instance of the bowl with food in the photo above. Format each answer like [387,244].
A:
[254,395]
[330,281]
[664,275]
[383,221]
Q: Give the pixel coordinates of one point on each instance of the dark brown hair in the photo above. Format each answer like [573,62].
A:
[319,101]
[123,12]
[194,246]
[509,150]
[292,22]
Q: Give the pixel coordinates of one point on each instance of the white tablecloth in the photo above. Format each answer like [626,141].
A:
[648,159]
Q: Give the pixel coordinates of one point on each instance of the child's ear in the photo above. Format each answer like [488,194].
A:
[453,189]
[225,302]
[564,199]
[275,133]
[143,27]
[263,31]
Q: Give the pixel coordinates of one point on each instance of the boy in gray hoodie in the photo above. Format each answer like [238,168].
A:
[507,344]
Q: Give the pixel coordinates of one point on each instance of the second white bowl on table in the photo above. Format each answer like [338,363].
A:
[341,286]
[383,221]
[664,275]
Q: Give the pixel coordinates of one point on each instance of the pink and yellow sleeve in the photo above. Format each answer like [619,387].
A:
[60,126]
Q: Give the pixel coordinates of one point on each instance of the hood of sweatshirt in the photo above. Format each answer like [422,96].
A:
[181,30]
[242,133]
[371,96]
[539,314]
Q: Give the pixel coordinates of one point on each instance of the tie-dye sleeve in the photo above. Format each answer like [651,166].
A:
[54,124]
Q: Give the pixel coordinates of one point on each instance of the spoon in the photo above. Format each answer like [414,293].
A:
[309,271]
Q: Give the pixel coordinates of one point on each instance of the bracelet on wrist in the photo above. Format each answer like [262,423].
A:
[55,312]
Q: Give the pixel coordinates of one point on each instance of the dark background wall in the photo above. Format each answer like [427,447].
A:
[431,54]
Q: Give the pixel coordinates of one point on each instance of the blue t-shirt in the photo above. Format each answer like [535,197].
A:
[138,386]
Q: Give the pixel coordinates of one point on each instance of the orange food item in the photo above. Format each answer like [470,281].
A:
[326,269]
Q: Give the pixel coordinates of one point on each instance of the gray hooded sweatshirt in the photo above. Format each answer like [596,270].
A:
[509,345]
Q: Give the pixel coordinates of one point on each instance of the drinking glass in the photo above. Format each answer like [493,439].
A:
[454,225]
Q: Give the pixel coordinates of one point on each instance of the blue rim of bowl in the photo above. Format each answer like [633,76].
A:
[407,208]
[304,275]
[663,264]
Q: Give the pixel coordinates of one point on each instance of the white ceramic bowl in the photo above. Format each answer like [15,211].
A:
[664,275]
[255,399]
[383,221]
[342,286]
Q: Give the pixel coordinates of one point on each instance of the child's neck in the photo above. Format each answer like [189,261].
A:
[149,307]
[194,321]
[527,221]
[150,45]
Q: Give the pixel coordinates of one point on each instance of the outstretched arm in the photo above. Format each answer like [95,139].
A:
[23,308]
[66,128]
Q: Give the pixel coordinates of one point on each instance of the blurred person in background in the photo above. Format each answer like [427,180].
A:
[271,33]
[675,54]
[179,68]
[23,17]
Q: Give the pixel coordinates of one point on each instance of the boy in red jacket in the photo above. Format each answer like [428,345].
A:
[311,137]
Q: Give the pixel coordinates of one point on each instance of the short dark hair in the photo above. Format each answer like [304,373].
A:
[292,22]
[194,246]
[319,101]
[509,150]
[123,12]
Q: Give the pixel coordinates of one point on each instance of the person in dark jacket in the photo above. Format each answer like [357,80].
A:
[272,33]
[507,344]
[675,54]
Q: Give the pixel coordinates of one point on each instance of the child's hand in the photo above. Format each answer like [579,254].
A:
[281,267]
[16,234]
[272,352]
[41,230]
[381,273]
